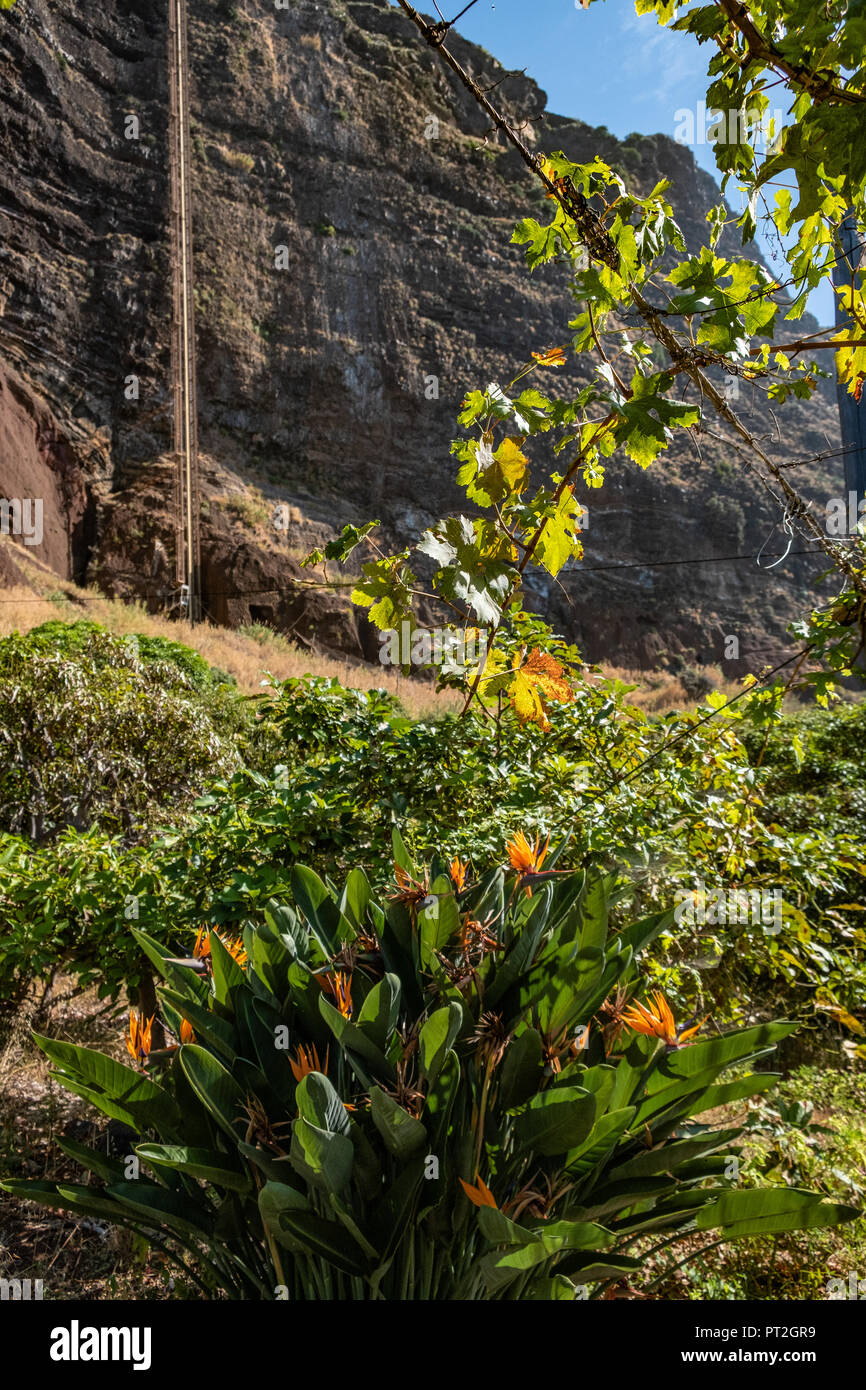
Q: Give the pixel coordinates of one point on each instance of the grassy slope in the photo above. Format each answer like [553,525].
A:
[247,653]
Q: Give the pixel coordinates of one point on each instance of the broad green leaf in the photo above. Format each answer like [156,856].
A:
[67,1196]
[555,1121]
[94,1161]
[728,1091]
[206,1164]
[668,1158]
[521,1069]
[326,1240]
[227,974]
[319,1103]
[217,1032]
[438,921]
[501,1268]
[402,1133]
[720,1052]
[602,1138]
[769,1210]
[156,1206]
[436,1039]
[322,1156]
[110,1082]
[350,1036]
[355,897]
[217,1090]
[378,1015]
[318,907]
[275,1199]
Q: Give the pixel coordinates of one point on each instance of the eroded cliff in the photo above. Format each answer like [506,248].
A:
[352,233]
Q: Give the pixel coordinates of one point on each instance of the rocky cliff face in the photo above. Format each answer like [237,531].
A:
[354,279]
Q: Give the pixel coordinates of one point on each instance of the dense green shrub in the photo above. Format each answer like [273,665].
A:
[351,766]
[815,765]
[670,802]
[103,730]
[70,905]
[76,639]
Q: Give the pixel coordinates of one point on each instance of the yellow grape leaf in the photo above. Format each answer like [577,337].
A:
[553,357]
[560,537]
[494,477]
[541,679]
[487,671]
[850,360]
[853,303]
[526,702]
[511,464]
[851,367]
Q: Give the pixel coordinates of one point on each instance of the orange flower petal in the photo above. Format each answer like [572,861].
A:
[138,1038]
[690,1032]
[526,857]
[458,873]
[479,1194]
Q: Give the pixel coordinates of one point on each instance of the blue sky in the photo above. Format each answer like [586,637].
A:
[605,65]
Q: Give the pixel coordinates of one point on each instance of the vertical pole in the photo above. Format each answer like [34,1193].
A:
[185,433]
[852,413]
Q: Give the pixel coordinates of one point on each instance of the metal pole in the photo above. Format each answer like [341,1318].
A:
[185,433]
[852,413]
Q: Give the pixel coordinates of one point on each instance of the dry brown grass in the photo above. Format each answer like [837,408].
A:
[660,691]
[247,655]
[244,655]
[20,610]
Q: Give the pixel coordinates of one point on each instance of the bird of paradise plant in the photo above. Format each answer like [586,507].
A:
[657,1021]
[458,871]
[305,1060]
[526,856]
[423,1128]
[479,1193]
[339,984]
[138,1039]
[202,948]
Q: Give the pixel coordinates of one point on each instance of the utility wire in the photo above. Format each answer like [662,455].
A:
[293,588]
